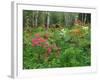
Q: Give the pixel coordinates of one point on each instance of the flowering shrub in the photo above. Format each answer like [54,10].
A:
[38,41]
[56,48]
[75,32]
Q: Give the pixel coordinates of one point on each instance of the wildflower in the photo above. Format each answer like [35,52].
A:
[37,35]
[38,41]
[85,28]
[35,42]
[41,39]
[62,32]
[75,31]
[49,50]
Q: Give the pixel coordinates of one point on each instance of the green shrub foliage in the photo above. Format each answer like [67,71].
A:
[59,47]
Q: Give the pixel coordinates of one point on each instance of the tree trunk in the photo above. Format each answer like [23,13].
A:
[48,20]
[33,21]
[65,20]
[82,18]
[85,19]
[36,19]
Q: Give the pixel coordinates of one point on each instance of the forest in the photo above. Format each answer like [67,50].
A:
[53,39]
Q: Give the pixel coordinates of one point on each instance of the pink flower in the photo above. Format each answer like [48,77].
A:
[49,50]
[35,42]
[38,41]
[41,39]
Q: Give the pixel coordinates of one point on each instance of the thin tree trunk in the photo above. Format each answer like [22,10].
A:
[65,20]
[33,21]
[48,20]
[69,20]
[85,19]
[36,19]
[82,18]
[43,17]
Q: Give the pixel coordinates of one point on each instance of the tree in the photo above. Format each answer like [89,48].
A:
[27,18]
[85,18]
[53,19]
[36,19]
[48,20]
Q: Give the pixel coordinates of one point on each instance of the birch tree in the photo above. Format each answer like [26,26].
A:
[36,19]
[48,19]
[85,18]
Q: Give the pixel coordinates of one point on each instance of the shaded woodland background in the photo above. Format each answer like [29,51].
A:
[54,19]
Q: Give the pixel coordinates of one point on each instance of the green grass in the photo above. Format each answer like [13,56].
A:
[62,47]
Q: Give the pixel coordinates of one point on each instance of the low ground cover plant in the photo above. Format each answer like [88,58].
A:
[56,47]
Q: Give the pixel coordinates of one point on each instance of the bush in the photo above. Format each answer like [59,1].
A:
[61,47]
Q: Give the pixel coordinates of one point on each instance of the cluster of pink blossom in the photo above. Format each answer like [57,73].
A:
[39,41]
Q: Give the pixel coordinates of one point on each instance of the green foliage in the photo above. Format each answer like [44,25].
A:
[67,49]
[56,39]
[64,19]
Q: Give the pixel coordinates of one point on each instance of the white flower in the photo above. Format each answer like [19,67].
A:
[85,28]
[63,31]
